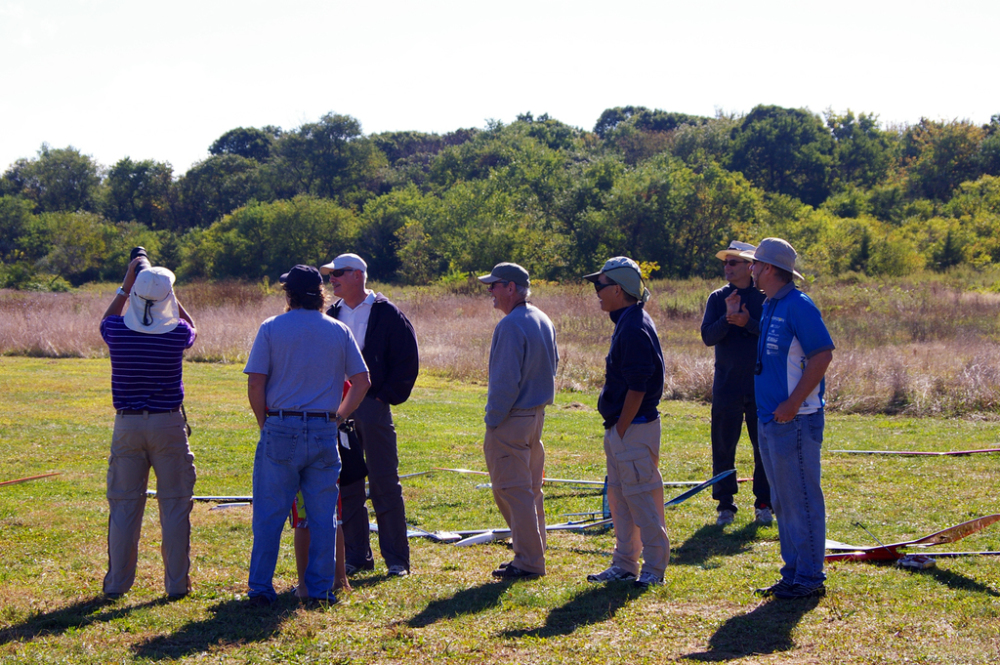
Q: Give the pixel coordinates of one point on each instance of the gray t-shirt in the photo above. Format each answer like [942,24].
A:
[305,355]
[523,361]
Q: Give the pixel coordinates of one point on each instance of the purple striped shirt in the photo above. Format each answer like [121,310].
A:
[146,370]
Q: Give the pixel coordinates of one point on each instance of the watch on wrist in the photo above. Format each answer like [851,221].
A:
[121,292]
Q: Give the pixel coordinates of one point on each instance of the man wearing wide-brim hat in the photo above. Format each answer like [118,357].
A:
[633,385]
[147,346]
[793,354]
[731,326]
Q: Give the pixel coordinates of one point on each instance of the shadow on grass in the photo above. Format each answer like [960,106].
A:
[468,601]
[767,629]
[78,615]
[233,622]
[595,605]
[711,540]
[957,581]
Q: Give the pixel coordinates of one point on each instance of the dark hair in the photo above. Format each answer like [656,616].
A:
[298,300]
[783,274]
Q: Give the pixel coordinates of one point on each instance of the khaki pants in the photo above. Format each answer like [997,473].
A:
[515,458]
[635,496]
[139,442]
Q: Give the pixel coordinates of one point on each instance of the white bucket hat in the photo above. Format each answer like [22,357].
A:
[152,305]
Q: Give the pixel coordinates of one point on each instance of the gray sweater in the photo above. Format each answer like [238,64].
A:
[523,361]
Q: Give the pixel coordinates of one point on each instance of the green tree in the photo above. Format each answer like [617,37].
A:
[214,187]
[939,156]
[266,239]
[248,142]
[863,153]
[329,158]
[141,192]
[15,219]
[786,151]
[56,180]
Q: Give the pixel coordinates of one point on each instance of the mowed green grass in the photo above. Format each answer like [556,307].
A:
[57,416]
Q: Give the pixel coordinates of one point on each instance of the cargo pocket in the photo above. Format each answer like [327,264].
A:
[635,471]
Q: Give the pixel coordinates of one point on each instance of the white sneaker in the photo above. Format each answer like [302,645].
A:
[398,571]
[647,580]
[764,515]
[725,517]
[612,574]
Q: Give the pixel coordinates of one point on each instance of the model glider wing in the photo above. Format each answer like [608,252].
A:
[920,453]
[681,498]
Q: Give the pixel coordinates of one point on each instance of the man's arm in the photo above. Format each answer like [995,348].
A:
[813,373]
[359,386]
[401,359]
[118,304]
[633,400]
[186,317]
[714,326]
[257,394]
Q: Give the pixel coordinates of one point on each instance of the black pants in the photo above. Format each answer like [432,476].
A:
[377,435]
[728,415]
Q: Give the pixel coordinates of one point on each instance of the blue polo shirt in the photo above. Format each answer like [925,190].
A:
[792,331]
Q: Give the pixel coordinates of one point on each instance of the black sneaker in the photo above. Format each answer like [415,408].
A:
[512,572]
[799,591]
[781,586]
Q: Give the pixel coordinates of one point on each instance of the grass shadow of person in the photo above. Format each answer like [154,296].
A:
[957,581]
[232,622]
[765,630]
[595,605]
[78,615]
[711,540]
[467,601]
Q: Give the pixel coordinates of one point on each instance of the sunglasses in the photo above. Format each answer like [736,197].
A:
[489,287]
[600,285]
[339,272]
[732,263]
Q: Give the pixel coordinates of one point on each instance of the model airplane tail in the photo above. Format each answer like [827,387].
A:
[891,552]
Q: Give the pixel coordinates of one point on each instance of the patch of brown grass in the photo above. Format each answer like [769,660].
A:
[916,349]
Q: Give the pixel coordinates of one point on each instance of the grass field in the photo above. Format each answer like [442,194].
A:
[56,417]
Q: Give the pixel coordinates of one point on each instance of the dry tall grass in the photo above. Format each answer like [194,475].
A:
[918,349]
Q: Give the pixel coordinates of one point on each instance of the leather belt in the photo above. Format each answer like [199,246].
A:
[302,414]
[139,412]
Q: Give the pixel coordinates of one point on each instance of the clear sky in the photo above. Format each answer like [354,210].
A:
[163,80]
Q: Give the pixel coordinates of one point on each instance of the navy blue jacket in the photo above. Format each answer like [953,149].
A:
[390,351]
[635,362]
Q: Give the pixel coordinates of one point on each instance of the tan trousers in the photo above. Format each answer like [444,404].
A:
[515,459]
[158,440]
[635,496]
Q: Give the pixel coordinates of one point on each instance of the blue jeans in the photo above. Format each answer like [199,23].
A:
[791,455]
[295,453]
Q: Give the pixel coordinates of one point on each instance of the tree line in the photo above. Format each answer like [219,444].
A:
[665,188]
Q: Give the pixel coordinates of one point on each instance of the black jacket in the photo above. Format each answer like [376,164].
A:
[390,351]
[735,347]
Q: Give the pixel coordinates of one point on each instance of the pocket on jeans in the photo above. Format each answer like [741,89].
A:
[635,470]
[279,443]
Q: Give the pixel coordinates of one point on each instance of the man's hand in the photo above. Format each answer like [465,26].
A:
[732,304]
[740,318]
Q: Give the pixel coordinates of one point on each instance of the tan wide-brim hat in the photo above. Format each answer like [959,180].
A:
[736,248]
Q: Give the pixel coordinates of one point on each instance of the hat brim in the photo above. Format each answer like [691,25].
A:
[748,255]
[592,277]
[489,279]
[327,269]
[165,315]
[726,253]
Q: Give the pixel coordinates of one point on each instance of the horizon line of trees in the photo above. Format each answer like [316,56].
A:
[661,187]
